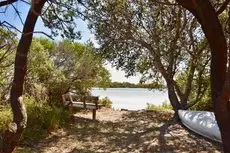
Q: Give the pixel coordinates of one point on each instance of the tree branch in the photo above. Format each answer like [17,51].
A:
[7,2]
[18,13]
[223,7]
[9,26]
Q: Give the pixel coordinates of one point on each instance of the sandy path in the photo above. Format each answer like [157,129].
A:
[122,132]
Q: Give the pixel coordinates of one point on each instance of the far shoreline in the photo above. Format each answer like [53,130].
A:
[154,85]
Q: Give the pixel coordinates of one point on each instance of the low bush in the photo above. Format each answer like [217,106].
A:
[43,118]
[5,118]
[106,102]
[204,105]
[164,106]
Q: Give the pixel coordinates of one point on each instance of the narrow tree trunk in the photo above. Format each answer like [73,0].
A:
[173,97]
[13,134]
[208,18]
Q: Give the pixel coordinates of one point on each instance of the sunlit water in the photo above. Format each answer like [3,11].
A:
[132,98]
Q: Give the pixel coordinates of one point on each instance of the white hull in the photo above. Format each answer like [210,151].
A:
[201,122]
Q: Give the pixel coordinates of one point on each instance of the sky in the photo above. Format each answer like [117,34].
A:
[11,17]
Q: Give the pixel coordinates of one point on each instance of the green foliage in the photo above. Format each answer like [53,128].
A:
[205,103]
[5,118]
[131,85]
[201,90]
[40,65]
[79,67]
[160,42]
[106,102]
[8,44]
[43,118]
[164,106]
[59,67]
[61,18]
[53,69]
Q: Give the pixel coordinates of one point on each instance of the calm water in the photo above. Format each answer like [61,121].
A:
[132,98]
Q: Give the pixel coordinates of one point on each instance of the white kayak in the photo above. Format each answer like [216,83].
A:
[201,122]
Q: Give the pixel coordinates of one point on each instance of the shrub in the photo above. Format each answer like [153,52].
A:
[164,106]
[106,102]
[204,105]
[5,118]
[167,106]
[43,118]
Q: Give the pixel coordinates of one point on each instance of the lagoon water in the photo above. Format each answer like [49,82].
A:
[132,98]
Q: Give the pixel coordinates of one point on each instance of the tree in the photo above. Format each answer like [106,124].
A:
[62,14]
[40,69]
[153,39]
[13,135]
[207,16]
[80,66]
[60,67]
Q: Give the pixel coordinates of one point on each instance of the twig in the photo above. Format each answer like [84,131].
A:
[18,13]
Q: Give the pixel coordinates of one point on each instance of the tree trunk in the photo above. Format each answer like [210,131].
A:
[173,97]
[208,18]
[13,134]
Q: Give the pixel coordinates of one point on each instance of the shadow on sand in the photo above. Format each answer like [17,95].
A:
[139,131]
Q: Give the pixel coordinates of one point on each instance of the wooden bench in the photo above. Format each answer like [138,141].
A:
[86,102]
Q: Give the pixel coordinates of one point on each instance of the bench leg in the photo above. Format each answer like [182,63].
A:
[94,114]
[71,110]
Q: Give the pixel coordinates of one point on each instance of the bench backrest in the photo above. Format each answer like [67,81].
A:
[68,99]
[92,99]
[77,98]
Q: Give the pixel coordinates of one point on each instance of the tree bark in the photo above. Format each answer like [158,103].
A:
[173,97]
[208,18]
[13,134]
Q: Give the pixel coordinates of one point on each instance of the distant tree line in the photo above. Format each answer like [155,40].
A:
[133,85]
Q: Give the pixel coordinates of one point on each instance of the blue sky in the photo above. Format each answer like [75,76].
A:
[11,17]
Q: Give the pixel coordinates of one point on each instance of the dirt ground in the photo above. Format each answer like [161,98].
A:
[122,132]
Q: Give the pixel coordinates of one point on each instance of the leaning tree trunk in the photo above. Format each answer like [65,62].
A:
[208,18]
[13,134]
[173,97]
